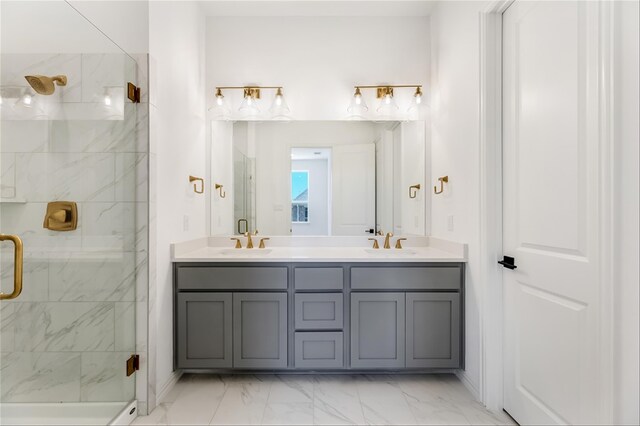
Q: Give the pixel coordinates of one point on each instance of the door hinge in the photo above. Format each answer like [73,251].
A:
[133,93]
[133,364]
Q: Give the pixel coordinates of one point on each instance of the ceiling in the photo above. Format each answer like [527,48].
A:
[316,8]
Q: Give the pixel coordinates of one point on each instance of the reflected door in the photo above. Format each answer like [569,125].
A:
[353,189]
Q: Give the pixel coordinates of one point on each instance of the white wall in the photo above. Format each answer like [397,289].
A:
[176,47]
[318,197]
[455,131]
[626,251]
[316,59]
[125,23]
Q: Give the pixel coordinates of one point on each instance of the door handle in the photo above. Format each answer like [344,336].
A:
[508,262]
[17,268]
[246,226]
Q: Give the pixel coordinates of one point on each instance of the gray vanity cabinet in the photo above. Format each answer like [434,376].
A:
[433,330]
[204,330]
[260,330]
[377,330]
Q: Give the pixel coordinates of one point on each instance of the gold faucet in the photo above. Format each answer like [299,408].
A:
[399,243]
[249,240]
[262,240]
[375,243]
[387,245]
[238,243]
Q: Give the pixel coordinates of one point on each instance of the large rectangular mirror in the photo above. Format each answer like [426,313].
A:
[319,178]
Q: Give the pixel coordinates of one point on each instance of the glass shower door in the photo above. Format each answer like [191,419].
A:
[72,173]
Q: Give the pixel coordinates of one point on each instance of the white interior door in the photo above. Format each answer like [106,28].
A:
[353,189]
[551,216]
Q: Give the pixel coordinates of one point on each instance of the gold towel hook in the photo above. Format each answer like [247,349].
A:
[442,180]
[414,193]
[195,185]
[220,191]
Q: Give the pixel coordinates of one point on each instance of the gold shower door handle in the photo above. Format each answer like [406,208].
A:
[17,268]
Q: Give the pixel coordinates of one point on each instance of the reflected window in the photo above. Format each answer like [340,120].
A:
[300,196]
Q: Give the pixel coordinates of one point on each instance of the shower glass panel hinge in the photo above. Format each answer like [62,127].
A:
[133,364]
[133,93]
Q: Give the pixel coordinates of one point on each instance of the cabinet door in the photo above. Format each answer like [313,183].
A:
[204,330]
[433,330]
[377,330]
[260,330]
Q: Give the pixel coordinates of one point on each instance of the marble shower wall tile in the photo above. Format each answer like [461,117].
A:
[125,327]
[103,377]
[24,136]
[7,175]
[101,71]
[94,279]
[131,177]
[109,226]
[42,377]
[64,326]
[26,220]
[7,327]
[97,135]
[35,276]
[42,177]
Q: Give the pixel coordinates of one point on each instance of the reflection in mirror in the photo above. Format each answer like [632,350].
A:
[320,177]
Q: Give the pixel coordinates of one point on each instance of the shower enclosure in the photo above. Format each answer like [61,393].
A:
[66,338]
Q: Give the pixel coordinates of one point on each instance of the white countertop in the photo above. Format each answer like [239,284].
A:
[319,249]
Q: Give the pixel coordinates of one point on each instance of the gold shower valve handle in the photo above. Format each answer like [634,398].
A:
[61,216]
[195,185]
[442,180]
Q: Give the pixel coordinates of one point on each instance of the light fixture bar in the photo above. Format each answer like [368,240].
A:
[247,87]
[387,85]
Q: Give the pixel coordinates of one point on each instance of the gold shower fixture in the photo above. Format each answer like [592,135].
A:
[45,85]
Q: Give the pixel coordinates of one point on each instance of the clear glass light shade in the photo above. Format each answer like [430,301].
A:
[388,107]
[220,108]
[417,106]
[279,109]
[357,107]
[249,107]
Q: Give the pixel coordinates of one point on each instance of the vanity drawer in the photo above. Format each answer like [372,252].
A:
[319,350]
[318,278]
[231,278]
[319,311]
[409,278]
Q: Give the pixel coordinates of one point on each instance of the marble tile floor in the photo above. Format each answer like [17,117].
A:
[199,399]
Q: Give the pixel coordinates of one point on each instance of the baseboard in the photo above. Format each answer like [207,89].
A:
[166,388]
[462,375]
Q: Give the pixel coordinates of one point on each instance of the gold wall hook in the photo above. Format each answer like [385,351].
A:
[195,185]
[413,190]
[442,180]
[220,191]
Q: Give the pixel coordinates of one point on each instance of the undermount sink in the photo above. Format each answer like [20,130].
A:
[391,252]
[245,252]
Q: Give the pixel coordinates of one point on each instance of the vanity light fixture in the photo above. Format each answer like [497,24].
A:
[387,107]
[250,106]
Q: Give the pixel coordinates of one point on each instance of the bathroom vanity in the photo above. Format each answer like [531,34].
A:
[318,308]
